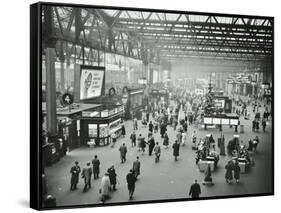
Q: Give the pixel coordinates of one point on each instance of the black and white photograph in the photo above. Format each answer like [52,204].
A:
[144,106]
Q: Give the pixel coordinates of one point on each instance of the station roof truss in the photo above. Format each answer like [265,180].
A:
[157,36]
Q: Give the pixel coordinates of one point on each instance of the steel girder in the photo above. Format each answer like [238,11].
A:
[155,37]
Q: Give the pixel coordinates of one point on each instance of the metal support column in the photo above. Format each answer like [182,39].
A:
[51,91]
[62,70]
[50,57]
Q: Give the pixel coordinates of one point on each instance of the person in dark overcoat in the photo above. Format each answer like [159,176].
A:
[166,140]
[163,130]
[195,190]
[123,152]
[151,144]
[112,177]
[133,138]
[236,170]
[131,180]
[96,167]
[254,125]
[150,127]
[87,174]
[75,171]
[228,173]
[136,167]
[123,131]
[263,124]
[176,150]
[184,126]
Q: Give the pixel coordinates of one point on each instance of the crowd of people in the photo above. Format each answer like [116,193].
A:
[185,111]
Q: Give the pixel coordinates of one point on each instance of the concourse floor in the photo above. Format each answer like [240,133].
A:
[168,179]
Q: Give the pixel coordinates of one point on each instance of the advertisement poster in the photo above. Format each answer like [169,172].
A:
[91,82]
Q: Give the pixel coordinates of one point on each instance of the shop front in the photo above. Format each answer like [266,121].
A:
[98,125]
[68,131]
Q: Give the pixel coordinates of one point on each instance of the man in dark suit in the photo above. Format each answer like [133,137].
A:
[195,190]
[131,180]
[96,167]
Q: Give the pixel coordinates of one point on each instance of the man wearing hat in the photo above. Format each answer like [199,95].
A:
[87,174]
[75,171]
[131,180]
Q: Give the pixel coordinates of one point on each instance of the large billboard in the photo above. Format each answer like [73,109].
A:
[91,82]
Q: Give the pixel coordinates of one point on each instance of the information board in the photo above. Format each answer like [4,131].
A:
[216,121]
[208,121]
[225,121]
[233,121]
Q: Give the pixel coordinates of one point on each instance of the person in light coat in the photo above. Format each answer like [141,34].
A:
[105,187]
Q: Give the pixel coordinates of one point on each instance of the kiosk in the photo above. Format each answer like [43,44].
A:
[97,125]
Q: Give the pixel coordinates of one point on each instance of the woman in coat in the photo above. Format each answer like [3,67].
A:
[166,140]
[228,173]
[236,171]
[105,187]
[176,150]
